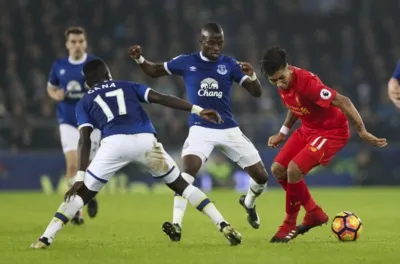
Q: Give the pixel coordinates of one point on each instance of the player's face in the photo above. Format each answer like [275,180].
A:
[281,78]
[212,44]
[76,45]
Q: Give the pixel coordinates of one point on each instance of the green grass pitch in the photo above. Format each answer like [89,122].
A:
[128,230]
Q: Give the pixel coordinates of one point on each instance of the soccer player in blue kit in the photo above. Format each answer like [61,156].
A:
[127,136]
[208,76]
[66,86]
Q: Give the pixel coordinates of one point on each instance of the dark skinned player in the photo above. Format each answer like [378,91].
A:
[127,136]
[208,77]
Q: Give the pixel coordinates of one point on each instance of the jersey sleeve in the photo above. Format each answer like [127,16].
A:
[142,92]
[316,91]
[53,78]
[82,116]
[396,73]
[177,65]
[237,74]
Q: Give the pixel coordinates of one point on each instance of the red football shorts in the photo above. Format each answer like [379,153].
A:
[309,151]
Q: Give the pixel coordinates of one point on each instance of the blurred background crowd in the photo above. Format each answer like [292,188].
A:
[353,45]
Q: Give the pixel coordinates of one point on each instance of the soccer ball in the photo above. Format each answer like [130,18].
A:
[346,226]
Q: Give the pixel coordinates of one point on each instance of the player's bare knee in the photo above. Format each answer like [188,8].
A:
[279,171]
[258,173]
[294,173]
[192,164]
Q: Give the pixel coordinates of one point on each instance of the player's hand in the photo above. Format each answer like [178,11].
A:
[371,139]
[275,140]
[211,116]
[246,68]
[394,95]
[59,95]
[72,191]
[135,52]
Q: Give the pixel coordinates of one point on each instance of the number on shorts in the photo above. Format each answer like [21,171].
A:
[119,93]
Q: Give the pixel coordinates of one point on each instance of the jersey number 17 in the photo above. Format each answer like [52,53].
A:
[119,94]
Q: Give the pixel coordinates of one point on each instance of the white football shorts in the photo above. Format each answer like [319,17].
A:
[231,141]
[70,137]
[117,151]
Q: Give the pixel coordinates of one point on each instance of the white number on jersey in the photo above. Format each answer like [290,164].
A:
[119,93]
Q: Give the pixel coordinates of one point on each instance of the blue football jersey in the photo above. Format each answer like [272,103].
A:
[208,84]
[115,108]
[68,75]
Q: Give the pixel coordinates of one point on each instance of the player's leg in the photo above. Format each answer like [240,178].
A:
[195,152]
[290,149]
[191,165]
[95,137]
[279,167]
[69,140]
[237,147]
[294,145]
[172,177]
[66,211]
[298,194]
[108,160]
[323,150]
[202,203]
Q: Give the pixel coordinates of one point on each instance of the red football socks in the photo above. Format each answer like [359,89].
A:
[294,194]
[297,194]
[307,201]
[283,183]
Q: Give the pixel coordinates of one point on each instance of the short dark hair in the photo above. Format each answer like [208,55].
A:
[74,30]
[212,27]
[273,60]
[95,71]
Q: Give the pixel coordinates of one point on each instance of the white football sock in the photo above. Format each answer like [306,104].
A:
[71,182]
[199,200]
[180,203]
[254,191]
[65,212]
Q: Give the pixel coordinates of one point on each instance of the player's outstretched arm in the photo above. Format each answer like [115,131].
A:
[177,103]
[152,69]
[251,84]
[347,107]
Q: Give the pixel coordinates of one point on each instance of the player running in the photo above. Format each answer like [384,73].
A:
[127,136]
[394,86]
[208,76]
[323,132]
[66,86]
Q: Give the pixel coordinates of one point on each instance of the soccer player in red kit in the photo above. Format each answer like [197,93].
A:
[324,130]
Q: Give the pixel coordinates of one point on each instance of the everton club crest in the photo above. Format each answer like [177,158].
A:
[221,69]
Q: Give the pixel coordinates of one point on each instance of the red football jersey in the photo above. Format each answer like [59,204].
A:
[309,99]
